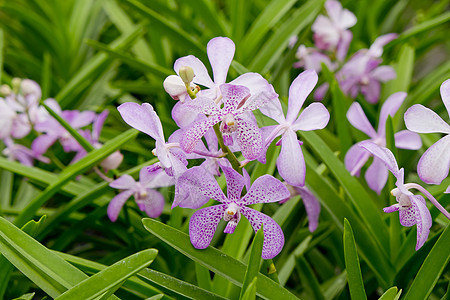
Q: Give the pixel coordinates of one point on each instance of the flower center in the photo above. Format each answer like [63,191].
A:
[232,216]
[228,124]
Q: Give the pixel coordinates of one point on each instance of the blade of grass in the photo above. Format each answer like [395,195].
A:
[254,262]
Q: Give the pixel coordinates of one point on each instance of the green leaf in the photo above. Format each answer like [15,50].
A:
[341,106]
[28,296]
[203,277]
[404,68]
[250,291]
[1,53]
[254,262]
[215,260]
[431,269]
[289,265]
[47,270]
[390,294]
[91,159]
[355,281]
[146,279]
[309,280]
[106,279]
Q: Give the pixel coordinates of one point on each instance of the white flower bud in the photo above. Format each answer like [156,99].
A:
[175,87]
[186,74]
[5,90]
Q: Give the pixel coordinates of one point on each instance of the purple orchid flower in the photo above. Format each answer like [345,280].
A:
[312,205]
[12,124]
[412,208]
[144,118]
[234,116]
[312,59]
[290,163]
[355,158]
[331,33]
[54,131]
[21,153]
[363,73]
[434,164]
[203,223]
[147,199]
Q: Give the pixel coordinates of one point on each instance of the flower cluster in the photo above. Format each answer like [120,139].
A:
[22,115]
[221,114]
[361,73]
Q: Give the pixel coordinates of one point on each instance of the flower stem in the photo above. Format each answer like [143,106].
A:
[229,154]
[430,197]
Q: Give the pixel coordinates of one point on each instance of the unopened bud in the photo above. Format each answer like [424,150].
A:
[175,87]
[15,82]
[5,90]
[186,74]
[29,86]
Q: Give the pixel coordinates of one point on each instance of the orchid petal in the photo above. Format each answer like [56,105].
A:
[445,94]
[98,124]
[143,118]
[255,102]
[183,116]
[273,235]
[273,110]
[406,139]
[421,119]
[124,182]
[343,45]
[376,49]
[220,53]
[313,117]
[255,83]
[203,105]
[81,119]
[265,189]
[195,133]
[389,108]
[384,73]
[233,95]
[312,207]
[355,158]
[434,164]
[41,144]
[235,183]
[407,216]
[321,91]
[203,225]
[377,175]
[198,181]
[201,73]
[371,91]
[117,203]
[384,154]
[358,119]
[249,137]
[290,162]
[423,219]
[300,88]
[153,204]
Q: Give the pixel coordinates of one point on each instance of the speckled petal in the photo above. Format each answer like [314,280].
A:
[203,105]
[153,204]
[314,117]
[300,88]
[420,119]
[143,118]
[266,189]
[195,133]
[407,216]
[117,203]
[198,181]
[123,182]
[249,138]
[358,119]
[384,154]
[220,53]
[256,101]
[434,164]
[201,73]
[406,139]
[377,175]
[255,83]
[423,219]
[389,108]
[233,96]
[273,235]
[235,183]
[203,224]
[290,162]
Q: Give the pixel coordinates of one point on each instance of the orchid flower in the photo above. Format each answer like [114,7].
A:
[144,118]
[412,208]
[203,223]
[330,33]
[21,153]
[290,162]
[12,124]
[147,199]
[355,158]
[312,59]
[434,164]
[233,116]
[312,205]
[362,72]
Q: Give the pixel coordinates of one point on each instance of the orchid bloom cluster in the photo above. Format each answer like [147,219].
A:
[21,115]
[361,73]
[221,114]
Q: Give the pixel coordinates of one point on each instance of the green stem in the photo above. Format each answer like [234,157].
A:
[229,154]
